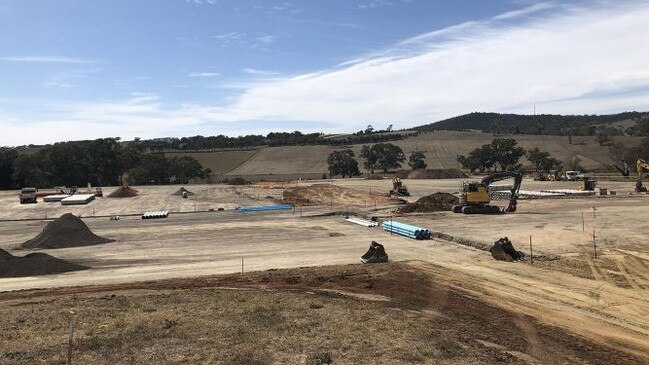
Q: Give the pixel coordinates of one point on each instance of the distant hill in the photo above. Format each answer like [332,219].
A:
[551,124]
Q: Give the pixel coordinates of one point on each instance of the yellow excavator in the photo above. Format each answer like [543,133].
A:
[640,166]
[475,198]
[399,188]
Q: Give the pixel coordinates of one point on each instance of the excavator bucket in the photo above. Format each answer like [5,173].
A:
[375,254]
[503,250]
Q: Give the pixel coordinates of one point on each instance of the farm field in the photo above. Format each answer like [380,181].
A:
[219,162]
[441,149]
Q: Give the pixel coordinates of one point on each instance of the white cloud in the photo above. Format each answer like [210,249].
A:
[569,60]
[46,59]
[258,72]
[203,74]
[526,11]
[554,62]
[267,39]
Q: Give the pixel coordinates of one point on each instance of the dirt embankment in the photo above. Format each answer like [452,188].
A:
[327,194]
[437,174]
[436,202]
[123,192]
[385,313]
[66,231]
[33,264]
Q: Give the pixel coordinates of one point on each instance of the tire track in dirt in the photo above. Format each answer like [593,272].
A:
[552,302]
[622,268]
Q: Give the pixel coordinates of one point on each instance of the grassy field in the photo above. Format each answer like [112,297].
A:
[219,162]
[441,149]
[380,314]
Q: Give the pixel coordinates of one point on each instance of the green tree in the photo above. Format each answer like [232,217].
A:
[343,163]
[505,154]
[480,159]
[27,171]
[603,138]
[542,160]
[384,156]
[185,168]
[417,160]
[8,158]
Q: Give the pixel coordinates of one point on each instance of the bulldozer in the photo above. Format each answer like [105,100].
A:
[641,166]
[475,197]
[399,188]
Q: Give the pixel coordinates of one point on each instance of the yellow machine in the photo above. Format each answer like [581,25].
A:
[640,166]
[475,198]
[399,188]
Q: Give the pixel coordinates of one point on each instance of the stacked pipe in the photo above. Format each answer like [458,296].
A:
[266,208]
[407,230]
[361,222]
[155,215]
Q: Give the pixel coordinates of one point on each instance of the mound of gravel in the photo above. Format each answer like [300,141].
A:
[123,192]
[33,264]
[66,231]
[181,191]
[432,203]
[437,174]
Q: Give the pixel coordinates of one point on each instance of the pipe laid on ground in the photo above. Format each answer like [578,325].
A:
[265,208]
[407,230]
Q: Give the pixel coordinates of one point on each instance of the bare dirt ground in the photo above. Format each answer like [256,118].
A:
[399,313]
[599,302]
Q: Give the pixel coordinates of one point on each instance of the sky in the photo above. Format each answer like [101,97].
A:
[78,69]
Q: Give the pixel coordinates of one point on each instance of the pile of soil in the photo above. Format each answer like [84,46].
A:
[503,250]
[123,192]
[432,203]
[181,191]
[328,194]
[437,174]
[66,231]
[33,264]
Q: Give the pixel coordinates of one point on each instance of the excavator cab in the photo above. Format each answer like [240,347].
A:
[399,188]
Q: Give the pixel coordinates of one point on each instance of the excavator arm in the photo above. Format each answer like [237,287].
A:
[641,166]
[518,179]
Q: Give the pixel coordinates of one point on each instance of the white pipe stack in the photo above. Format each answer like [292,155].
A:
[361,222]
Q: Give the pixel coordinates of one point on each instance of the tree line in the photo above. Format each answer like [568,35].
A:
[381,156]
[274,139]
[101,162]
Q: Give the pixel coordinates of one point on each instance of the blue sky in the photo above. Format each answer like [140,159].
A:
[78,69]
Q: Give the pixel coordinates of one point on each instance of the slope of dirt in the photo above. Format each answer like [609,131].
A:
[66,231]
[432,203]
[33,264]
[123,192]
[380,314]
[437,174]
[326,194]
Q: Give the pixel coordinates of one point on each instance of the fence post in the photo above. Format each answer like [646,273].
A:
[531,252]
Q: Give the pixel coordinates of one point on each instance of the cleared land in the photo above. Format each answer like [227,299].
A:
[568,307]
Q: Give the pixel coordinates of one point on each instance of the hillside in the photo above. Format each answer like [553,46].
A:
[533,124]
[441,149]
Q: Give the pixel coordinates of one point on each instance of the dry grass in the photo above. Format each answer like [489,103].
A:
[274,317]
[219,162]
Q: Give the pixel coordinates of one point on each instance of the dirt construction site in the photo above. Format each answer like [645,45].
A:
[213,284]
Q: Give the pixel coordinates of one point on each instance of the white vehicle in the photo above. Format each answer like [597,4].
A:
[575,176]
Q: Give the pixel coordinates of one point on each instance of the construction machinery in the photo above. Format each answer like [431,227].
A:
[28,196]
[475,197]
[398,187]
[640,166]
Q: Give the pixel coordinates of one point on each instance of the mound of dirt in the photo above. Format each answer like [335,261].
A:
[66,231]
[328,194]
[123,192]
[503,250]
[181,191]
[432,203]
[437,174]
[33,264]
